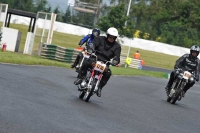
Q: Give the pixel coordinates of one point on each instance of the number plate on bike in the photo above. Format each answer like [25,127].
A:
[100,66]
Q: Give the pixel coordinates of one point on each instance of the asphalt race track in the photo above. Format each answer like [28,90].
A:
[38,99]
[156,69]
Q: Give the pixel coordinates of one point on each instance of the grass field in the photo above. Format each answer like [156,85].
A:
[18,58]
[70,41]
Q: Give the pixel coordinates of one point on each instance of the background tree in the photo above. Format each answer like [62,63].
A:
[117,18]
[177,22]
[67,16]
[28,5]
[41,5]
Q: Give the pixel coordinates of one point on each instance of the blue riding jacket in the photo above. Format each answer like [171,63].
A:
[86,39]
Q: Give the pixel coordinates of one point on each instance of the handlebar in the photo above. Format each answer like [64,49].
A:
[96,58]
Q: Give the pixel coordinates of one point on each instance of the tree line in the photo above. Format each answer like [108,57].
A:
[174,22]
[67,16]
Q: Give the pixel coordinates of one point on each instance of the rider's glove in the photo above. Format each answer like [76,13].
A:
[115,62]
[80,44]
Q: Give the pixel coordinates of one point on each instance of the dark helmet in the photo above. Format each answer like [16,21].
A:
[194,48]
[96,32]
[90,48]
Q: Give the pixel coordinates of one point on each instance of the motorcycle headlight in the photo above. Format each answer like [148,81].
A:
[188,75]
[90,51]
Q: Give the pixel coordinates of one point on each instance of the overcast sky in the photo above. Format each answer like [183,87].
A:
[62,3]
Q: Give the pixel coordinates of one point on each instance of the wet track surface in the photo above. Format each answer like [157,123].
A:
[37,99]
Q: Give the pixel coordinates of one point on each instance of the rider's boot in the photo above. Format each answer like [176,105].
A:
[101,85]
[75,64]
[99,92]
[78,81]
[169,85]
[80,78]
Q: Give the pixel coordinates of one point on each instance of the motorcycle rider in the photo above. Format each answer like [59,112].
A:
[105,48]
[86,39]
[188,62]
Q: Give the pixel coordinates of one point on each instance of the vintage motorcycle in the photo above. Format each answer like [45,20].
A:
[90,84]
[178,85]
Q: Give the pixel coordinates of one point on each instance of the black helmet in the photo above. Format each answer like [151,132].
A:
[96,32]
[194,48]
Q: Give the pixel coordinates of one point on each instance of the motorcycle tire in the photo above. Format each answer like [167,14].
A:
[173,100]
[87,95]
[168,99]
[82,94]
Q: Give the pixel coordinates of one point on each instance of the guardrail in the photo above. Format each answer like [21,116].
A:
[54,52]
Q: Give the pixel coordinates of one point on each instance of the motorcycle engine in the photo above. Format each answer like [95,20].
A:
[83,84]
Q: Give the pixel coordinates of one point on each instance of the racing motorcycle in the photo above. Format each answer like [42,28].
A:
[90,84]
[178,85]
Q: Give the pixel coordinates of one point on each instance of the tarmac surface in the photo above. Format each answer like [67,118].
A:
[38,99]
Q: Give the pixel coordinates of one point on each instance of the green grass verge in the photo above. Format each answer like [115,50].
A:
[17,58]
[135,72]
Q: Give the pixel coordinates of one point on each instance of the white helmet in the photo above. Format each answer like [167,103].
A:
[112,31]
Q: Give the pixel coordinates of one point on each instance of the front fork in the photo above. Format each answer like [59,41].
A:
[174,86]
[180,85]
[89,85]
[98,77]
[92,77]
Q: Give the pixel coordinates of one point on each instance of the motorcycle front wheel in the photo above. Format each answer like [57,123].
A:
[88,94]
[174,99]
[168,99]
[82,94]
